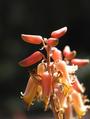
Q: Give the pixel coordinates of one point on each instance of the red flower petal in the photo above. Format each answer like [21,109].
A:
[32,59]
[59,33]
[34,39]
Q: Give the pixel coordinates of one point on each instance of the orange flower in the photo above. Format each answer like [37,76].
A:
[62,68]
[30,91]
[55,81]
[46,84]
[78,104]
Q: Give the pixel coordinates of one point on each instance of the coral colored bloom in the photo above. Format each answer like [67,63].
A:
[78,104]
[30,91]
[54,81]
[46,84]
[61,67]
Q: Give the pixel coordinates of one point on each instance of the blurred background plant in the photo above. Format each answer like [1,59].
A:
[37,17]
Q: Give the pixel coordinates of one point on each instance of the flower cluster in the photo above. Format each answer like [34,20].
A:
[55,82]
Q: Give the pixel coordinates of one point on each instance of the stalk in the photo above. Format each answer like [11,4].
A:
[57,115]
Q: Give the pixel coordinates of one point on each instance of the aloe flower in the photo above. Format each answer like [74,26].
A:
[55,82]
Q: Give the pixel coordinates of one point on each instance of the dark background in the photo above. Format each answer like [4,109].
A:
[39,17]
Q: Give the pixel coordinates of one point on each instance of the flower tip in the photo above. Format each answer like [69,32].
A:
[65,29]
[21,95]
[23,35]
[88,60]
[20,63]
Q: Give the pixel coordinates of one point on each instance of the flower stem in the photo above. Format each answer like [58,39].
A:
[48,60]
[57,114]
[53,108]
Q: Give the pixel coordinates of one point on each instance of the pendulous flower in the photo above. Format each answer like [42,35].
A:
[55,82]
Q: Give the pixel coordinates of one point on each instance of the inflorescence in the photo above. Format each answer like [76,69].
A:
[54,82]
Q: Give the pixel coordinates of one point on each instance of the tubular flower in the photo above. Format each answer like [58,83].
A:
[30,91]
[54,81]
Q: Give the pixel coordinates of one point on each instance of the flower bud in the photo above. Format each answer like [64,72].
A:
[32,59]
[68,54]
[59,33]
[33,39]
[80,62]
